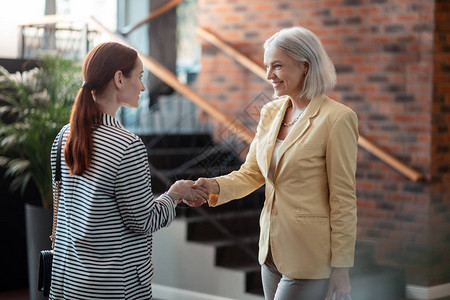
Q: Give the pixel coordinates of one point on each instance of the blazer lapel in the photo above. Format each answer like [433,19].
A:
[301,126]
[272,135]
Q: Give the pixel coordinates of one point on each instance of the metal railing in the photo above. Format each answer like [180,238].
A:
[73,38]
[69,38]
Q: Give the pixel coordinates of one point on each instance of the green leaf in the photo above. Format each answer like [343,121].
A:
[34,106]
[16,167]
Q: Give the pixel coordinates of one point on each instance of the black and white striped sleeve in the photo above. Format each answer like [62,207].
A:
[138,208]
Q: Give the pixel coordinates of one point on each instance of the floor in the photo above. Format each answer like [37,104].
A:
[15,295]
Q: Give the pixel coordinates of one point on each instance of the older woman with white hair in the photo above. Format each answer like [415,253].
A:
[305,153]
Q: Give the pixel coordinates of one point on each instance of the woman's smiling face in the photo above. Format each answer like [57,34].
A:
[285,74]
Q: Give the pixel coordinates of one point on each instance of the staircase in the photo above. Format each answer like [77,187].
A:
[191,156]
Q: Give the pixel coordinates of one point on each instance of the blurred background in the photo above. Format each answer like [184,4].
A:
[205,86]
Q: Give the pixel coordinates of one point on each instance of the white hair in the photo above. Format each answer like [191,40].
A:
[304,46]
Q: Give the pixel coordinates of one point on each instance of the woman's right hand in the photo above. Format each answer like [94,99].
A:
[208,184]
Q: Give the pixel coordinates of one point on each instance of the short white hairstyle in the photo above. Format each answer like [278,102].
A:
[302,45]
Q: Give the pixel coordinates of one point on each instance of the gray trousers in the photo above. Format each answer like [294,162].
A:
[276,286]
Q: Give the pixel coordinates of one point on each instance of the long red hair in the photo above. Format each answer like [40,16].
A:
[99,68]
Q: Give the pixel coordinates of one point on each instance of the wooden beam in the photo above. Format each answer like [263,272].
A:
[258,70]
[156,13]
[170,78]
[390,160]
[231,51]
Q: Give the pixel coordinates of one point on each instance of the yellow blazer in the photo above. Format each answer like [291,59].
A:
[309,214]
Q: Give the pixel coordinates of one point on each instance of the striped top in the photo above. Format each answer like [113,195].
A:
[106,218]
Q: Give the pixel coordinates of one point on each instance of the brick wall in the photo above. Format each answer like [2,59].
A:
[440,145]
[385,52]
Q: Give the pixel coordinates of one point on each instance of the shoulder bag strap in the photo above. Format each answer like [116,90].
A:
[57,189]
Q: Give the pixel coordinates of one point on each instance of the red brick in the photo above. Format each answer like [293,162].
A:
[408,18]
[264,6]
[305,4]
[376,19]
[233,18]
[382,98]
[330,3]
[343,12]
[367,89]
[381,40]
[220,9]
[372,12]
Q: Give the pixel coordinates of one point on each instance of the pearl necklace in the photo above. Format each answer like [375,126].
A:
[295,120]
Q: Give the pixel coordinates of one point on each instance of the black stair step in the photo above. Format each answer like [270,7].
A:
[247,268]
[253,202]
[231,208]
[176,140]
[248,213]
[232,256]
[170,158]
[175,151]
[253,282]
[173,158]
[239,226]
[225,242]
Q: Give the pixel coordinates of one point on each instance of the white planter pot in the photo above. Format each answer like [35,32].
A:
[38,221]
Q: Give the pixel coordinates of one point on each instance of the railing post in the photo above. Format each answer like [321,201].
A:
[85,40]
[21,42]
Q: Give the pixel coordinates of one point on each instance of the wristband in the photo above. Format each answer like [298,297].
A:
[214,198]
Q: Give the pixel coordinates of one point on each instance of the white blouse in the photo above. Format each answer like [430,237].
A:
[273,162]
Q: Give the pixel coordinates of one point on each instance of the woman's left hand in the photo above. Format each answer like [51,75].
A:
[339,284]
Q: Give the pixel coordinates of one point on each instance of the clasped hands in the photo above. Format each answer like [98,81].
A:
[194,193]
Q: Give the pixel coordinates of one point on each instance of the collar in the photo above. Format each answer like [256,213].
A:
[110,121]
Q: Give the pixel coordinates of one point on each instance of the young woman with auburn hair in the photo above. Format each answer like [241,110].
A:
[107,212]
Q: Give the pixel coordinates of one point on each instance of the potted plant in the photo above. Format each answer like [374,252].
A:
[34,106]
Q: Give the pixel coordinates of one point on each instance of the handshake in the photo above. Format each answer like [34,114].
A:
[194,193]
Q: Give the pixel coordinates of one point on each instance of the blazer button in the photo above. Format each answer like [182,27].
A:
[274,212]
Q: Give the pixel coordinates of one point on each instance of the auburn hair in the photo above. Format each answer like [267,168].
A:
[99,68]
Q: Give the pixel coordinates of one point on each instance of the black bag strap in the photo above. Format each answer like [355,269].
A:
[57,188]
[58,156]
